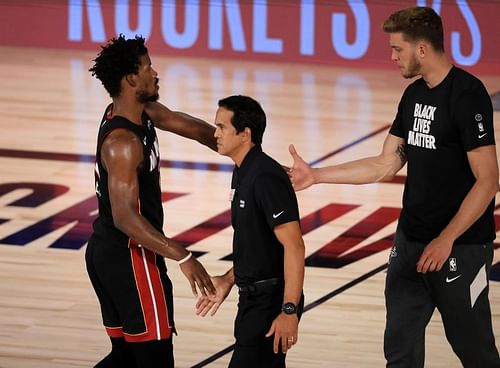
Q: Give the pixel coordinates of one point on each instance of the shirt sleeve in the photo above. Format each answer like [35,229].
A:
[397,124]
[474,118]
[276,198]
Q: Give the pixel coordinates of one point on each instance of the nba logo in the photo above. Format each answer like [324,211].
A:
[453,264]
[393,254]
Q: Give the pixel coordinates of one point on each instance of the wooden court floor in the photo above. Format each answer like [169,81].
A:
[50,108]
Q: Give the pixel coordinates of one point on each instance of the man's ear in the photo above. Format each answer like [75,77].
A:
[248,133]
[422,49]
[130,79]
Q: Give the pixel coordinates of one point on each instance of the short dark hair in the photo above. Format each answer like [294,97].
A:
[246,113]
[417,23]
[118,58]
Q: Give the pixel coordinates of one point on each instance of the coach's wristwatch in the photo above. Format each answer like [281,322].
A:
[289,308]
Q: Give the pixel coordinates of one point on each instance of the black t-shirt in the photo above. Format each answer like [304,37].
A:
[439,126]
[262,198]
[150,204]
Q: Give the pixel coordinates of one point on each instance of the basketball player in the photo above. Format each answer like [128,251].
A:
[443,250]
[268,249]
[125,253]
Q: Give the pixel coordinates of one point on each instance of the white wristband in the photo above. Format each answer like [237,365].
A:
[185,259]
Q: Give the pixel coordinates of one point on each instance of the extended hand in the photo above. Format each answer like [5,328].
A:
[197,277]
[211,303]
[301,174]
[285,329]
[434,255]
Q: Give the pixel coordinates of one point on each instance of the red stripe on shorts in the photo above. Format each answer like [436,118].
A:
[150,289]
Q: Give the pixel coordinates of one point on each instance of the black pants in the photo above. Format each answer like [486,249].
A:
[256,312]
[459,291]
[149,354]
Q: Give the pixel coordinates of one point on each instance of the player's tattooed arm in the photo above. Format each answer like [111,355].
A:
[401,153]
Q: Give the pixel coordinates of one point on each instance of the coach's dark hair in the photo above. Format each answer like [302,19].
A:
[246,113]
[418,23]
[118,58]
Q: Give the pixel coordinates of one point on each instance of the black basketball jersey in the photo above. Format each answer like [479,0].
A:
[150,203]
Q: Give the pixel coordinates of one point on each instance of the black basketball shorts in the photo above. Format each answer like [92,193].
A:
[133,289]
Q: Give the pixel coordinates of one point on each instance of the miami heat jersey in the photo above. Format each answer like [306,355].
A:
[131,282]
[150,203]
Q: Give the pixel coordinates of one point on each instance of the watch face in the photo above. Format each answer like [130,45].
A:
[289,308]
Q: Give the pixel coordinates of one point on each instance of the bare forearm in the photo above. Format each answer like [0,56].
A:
[363,171]
[294,272]
[484,166]
[140,230]
[229,276]
[473,206]
[204,133]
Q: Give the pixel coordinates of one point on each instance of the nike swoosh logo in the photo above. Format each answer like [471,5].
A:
[448,280]
[276,215]
[481,135]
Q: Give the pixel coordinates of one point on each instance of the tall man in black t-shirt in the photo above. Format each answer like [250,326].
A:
[125,253]
[443,250]
[268,250]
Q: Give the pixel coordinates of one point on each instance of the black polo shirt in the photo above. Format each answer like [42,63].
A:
[262,197]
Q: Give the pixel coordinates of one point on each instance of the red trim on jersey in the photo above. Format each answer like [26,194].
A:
[114,331]
[150,289]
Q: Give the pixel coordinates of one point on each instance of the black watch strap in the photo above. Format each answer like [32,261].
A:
[289,308]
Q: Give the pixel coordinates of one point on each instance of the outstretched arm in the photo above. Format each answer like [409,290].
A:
[367,170]
[121,154]
[182,124]
[484,165]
